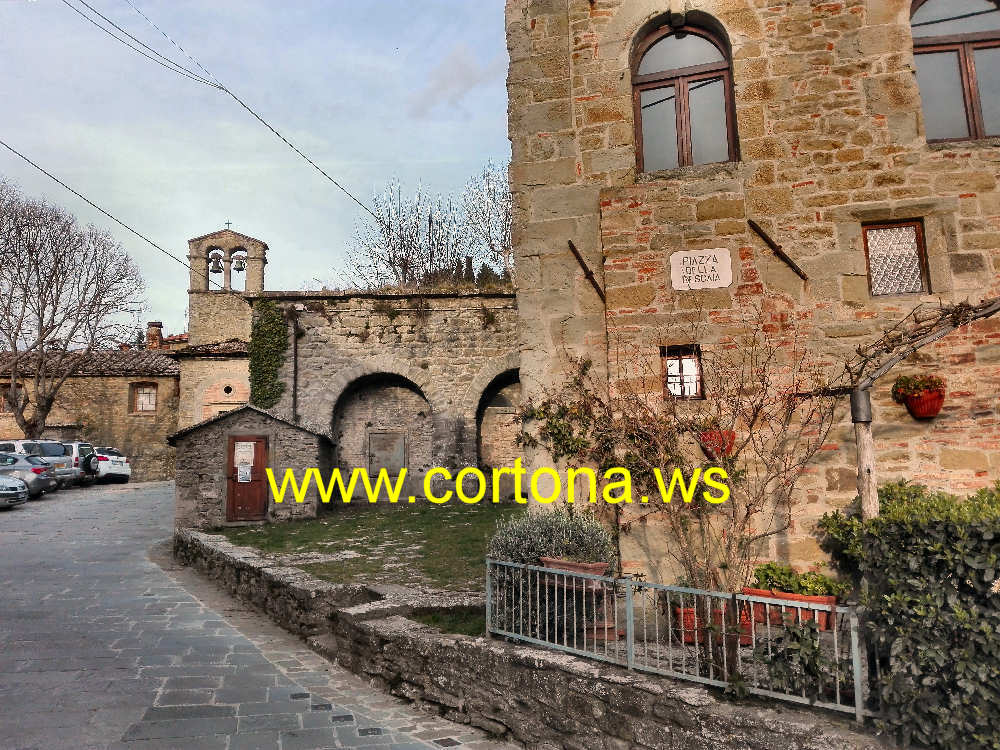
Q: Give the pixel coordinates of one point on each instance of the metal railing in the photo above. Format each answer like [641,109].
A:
[789,650]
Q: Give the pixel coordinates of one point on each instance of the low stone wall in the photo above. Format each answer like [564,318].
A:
[540,698]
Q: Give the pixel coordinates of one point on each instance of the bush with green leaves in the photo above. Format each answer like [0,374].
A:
[931,561]
[268,344]
[778,577]
[526,537]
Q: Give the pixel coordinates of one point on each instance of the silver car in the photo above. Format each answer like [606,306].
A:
[12,491]
[32,470]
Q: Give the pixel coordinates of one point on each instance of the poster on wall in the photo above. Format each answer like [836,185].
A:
[701,269]
[243,458]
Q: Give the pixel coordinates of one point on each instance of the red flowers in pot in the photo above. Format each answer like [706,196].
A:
[716,443]
[922,394]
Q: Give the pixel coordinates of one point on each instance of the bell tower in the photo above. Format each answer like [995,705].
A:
[225,265]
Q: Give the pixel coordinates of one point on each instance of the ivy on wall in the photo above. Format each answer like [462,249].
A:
[268,344]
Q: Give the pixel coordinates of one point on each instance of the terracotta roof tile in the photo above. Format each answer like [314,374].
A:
[111,362]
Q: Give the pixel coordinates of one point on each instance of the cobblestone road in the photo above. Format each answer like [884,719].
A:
[101,647]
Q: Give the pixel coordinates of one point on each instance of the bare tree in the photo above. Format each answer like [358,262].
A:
[489,207]
[419,241]
[64,292]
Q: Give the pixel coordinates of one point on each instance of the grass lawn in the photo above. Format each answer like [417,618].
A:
[439,545]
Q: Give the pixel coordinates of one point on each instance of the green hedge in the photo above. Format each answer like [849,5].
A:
[268,344]
[931,561]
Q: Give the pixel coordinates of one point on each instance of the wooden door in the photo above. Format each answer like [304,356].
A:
[246,497]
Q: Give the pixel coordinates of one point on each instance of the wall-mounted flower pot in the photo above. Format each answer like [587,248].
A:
[716,444]
[791,615]
[925,405]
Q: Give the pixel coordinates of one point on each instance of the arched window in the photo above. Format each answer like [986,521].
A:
[682,86]
[956,45]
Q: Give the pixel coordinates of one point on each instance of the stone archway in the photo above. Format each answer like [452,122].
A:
[383,420]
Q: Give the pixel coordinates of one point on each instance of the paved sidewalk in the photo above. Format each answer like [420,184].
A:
[100,647]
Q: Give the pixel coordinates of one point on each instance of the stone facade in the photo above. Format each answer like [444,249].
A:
[98,406]
[412,374]
[831,136]
[202,460]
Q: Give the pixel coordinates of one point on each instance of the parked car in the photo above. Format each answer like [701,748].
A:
[12,491]
[113,465]
[54,453]
[32,470]
[84,460]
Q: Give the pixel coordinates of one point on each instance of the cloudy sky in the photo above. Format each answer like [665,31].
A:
[370,90]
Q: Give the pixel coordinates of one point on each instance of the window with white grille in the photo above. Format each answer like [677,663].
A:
[681,371]
[897,259]
[144,398]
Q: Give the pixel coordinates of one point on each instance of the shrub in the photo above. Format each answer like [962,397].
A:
[914,385]
[526,537]
[931,562]
[784,578]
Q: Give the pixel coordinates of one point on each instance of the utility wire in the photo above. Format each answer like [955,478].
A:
[90,203]
[156,57]
[260,119]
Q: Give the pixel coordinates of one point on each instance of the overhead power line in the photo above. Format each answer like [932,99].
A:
[258,117]
[955,18]
[155,57]
[93,205]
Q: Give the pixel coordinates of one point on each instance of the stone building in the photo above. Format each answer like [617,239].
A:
[122,398]
[211,491]
[403,380]
[860,143]
[213,365]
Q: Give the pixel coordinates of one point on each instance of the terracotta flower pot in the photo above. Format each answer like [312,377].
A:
[558,563]
[791,614]
[602,627]
[686,622]
[925,405]
[717,443]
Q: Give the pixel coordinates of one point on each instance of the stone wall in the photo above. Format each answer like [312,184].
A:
[99,410]
[421,364]
[202,481]
[537,698]
[217,316]
[203,387]
[831,136]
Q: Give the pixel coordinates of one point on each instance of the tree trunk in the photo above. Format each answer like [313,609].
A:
[867,484]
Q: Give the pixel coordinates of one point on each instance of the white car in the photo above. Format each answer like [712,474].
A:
[112,465]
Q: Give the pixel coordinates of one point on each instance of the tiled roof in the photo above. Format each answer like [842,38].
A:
[227,348]
[176,338]
[109,362]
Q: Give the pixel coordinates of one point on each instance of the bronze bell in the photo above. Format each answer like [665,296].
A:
[216,266]
[239,265]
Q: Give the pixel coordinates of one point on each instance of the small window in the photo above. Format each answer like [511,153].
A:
[681,367]
[897,258]
[956,47]
[683,93]
[144,398]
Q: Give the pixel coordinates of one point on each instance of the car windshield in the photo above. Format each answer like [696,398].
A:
[109,452]
[52,449]
[36,461]
[86,450]
[31,449]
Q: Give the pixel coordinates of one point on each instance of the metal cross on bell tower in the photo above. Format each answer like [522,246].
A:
[229,224]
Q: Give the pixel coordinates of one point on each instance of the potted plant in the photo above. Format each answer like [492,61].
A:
[922,394]
[575,543]
[715,442]
[686,621]
[775,581]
